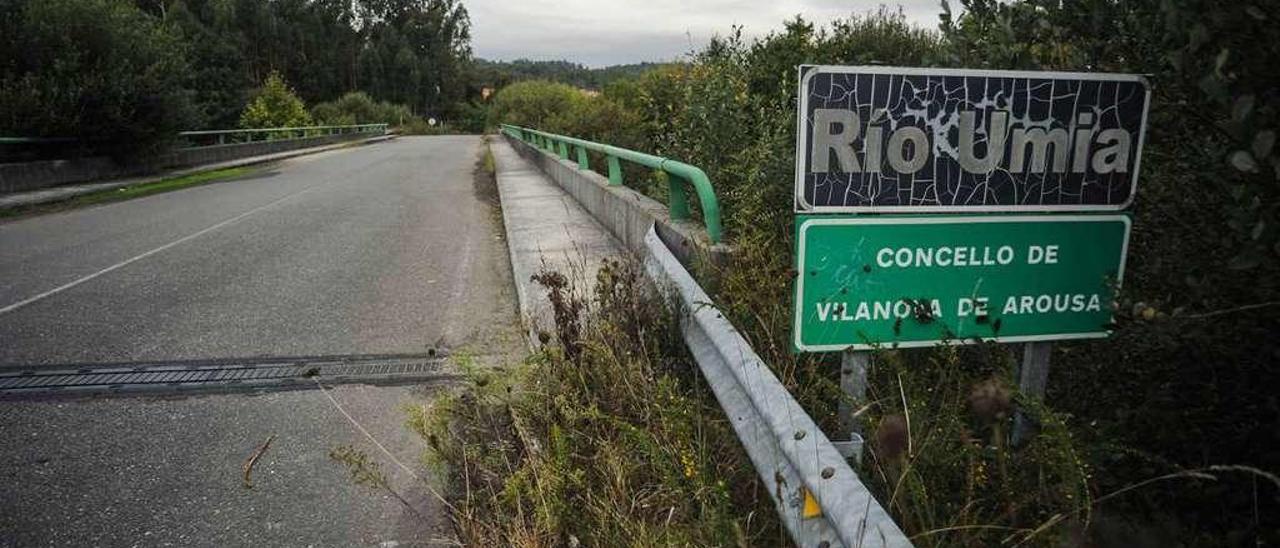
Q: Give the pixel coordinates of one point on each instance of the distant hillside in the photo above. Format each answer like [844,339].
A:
[501,73]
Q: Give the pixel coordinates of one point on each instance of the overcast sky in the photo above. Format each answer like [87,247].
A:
[608,32]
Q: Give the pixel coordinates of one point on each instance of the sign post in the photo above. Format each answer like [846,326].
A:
[1005,150]
[1033,375]
[853,382]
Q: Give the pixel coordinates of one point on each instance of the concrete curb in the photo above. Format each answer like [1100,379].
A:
[546,229]
[55,194]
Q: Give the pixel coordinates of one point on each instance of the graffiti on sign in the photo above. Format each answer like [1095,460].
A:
[883,139]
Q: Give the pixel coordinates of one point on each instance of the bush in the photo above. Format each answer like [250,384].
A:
[275,105]
[535,103]
[358,108]
[474,117]
[99,70]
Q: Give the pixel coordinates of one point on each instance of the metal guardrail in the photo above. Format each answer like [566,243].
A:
[677,172]
[792,456]
[229,136]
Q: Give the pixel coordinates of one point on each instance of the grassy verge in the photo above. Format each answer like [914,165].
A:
[133,191]
[607,438]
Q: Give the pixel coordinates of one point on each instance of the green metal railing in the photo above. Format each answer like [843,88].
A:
[678,173]
[227,136]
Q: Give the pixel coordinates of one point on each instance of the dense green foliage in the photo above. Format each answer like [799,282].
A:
[498,74]
[562,108]
[408,52]
[275,105]
[97,69]
[358,108]
[1187,382]
[1190,378]
[125,76]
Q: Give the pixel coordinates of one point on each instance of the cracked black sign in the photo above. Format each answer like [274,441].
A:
[897,139]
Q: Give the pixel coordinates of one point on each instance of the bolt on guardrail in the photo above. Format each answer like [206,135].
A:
[678,173]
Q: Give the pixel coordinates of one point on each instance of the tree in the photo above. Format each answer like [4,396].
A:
[275,105]
[99,70]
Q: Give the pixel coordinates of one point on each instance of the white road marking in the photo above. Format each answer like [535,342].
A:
[126,262]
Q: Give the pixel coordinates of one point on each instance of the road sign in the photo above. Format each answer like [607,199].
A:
[913,281]
[885,139]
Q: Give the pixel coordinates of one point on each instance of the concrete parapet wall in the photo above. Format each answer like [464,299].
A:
[19,177]
[628,214]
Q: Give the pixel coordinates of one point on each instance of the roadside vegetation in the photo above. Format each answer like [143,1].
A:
[1167,434]
[606,438]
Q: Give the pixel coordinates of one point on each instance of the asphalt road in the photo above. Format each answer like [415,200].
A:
[387,248]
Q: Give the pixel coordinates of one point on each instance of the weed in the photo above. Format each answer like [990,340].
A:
[607,438]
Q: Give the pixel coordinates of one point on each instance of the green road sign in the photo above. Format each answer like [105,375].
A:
[864,282]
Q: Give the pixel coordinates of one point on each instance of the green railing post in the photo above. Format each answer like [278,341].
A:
[680,176]
[678,198]
[615,171]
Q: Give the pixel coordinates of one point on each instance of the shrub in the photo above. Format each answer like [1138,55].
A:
[358,108]
[535,103]
[275,105]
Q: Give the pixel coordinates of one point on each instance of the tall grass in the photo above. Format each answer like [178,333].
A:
[606,438]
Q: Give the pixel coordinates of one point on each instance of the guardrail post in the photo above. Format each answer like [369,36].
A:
[583,161]
[615,171]
[678,199]
[564,150]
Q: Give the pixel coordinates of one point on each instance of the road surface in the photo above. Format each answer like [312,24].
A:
[387,248]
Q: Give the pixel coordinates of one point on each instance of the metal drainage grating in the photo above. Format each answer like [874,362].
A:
[220,375]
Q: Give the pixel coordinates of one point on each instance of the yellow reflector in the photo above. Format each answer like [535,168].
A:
[811,508]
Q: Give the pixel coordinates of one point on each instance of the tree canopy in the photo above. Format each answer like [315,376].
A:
[136,72]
